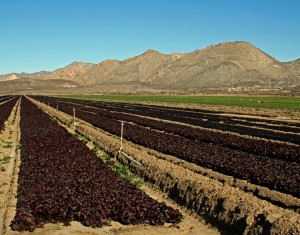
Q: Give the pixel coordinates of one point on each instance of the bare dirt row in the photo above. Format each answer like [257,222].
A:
[9,164]
[231,205]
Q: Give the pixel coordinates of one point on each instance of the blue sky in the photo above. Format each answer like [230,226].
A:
[40,35]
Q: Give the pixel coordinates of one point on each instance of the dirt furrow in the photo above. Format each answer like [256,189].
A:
[9,153]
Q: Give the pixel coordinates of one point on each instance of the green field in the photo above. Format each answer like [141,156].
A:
[289,103]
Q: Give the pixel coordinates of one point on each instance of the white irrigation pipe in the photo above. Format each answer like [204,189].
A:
[130,158]
[74,116]
[123,153]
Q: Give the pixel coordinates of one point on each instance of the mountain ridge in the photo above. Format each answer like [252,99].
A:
[228,66]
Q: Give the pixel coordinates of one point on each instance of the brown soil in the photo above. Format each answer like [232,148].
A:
[2,102]
[9,141]
[234,206]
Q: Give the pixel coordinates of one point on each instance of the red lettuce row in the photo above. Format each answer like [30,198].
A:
[61,180]
[5,111]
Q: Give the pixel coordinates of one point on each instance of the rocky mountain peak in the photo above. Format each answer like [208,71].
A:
[228,66]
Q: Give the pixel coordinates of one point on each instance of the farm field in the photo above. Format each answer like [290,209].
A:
[289,103]
[213,163]
[70,183]
[245,160]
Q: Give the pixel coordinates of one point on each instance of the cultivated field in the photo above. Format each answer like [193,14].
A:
[236,172]
[289,103]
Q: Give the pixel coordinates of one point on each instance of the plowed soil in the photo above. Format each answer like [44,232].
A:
[9,149]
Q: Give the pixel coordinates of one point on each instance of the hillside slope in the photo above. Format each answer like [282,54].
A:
[234,65]
[230,66]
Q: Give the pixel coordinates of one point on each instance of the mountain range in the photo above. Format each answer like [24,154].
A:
[225,67]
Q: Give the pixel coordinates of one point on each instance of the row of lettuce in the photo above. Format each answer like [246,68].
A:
[61,180]
[6,106]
